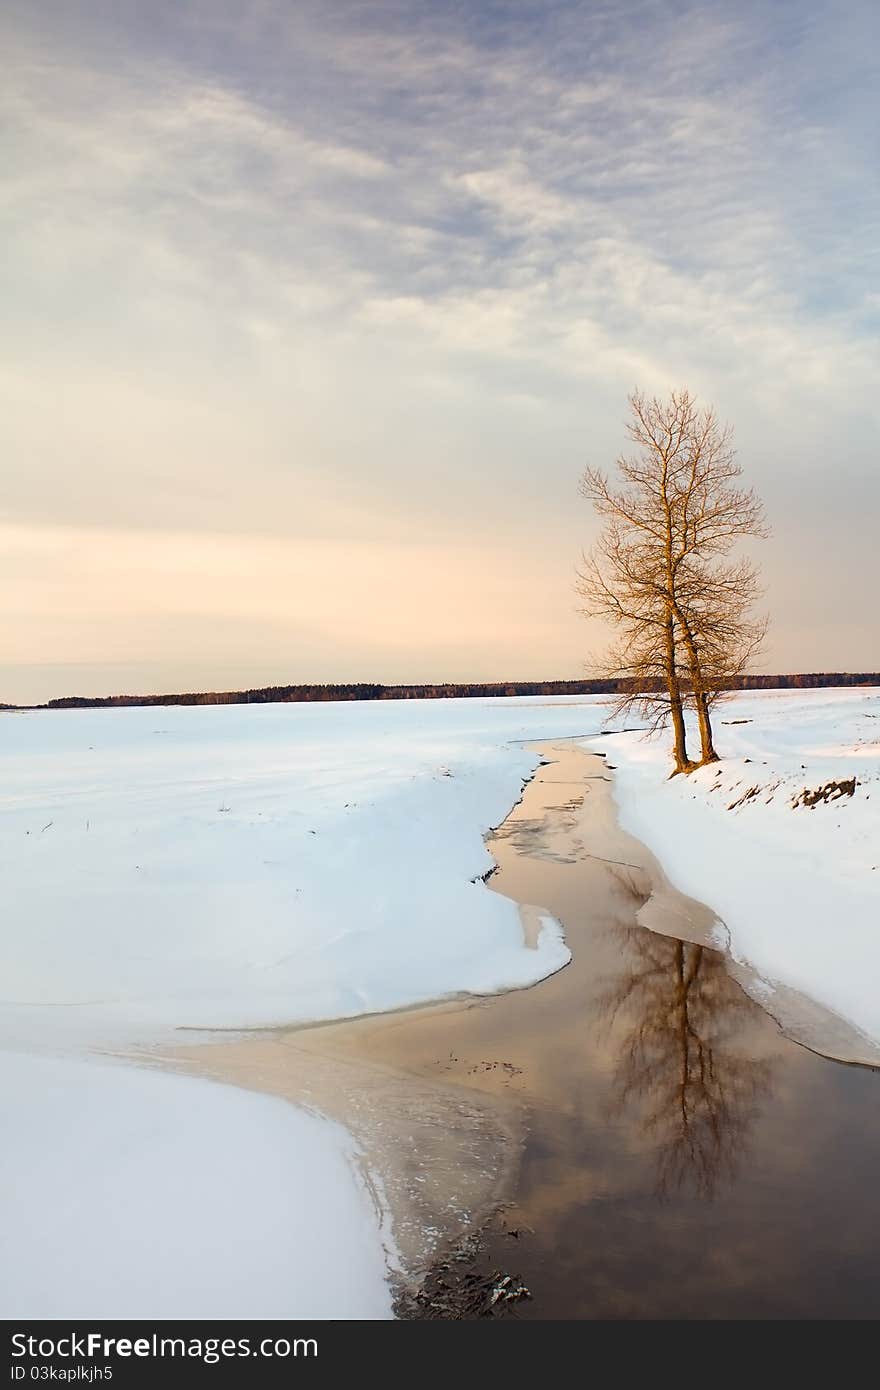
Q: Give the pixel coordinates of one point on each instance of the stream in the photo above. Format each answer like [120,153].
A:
[634,1137]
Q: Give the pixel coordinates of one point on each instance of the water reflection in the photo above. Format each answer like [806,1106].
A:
[684,1072]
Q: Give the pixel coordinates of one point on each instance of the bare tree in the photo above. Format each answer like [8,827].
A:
[662,571]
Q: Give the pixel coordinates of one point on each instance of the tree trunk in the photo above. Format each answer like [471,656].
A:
[676,710]
[701,699]
[707,747]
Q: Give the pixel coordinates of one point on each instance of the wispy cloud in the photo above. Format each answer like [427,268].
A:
[384,267]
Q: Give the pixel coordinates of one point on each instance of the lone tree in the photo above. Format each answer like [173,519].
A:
[662,571]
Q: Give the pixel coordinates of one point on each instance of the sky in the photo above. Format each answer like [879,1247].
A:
[314,312]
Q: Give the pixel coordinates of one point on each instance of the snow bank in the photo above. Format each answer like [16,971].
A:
[224,867]
[134,1194]
[244,865]
[798,889]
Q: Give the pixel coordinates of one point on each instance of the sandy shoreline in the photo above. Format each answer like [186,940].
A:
[440,1098]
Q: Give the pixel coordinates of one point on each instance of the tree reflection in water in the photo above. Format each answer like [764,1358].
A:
[684,1028]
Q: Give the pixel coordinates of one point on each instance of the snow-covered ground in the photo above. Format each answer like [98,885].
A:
[135,1194]
[169,868]
[230,866]
[242,865]
[797,887]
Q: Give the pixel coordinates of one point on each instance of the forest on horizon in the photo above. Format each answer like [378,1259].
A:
[365,690]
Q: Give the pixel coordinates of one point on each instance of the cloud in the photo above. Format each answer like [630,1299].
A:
[520,202]
[373,272]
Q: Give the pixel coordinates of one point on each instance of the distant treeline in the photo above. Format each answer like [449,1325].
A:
[310,694]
